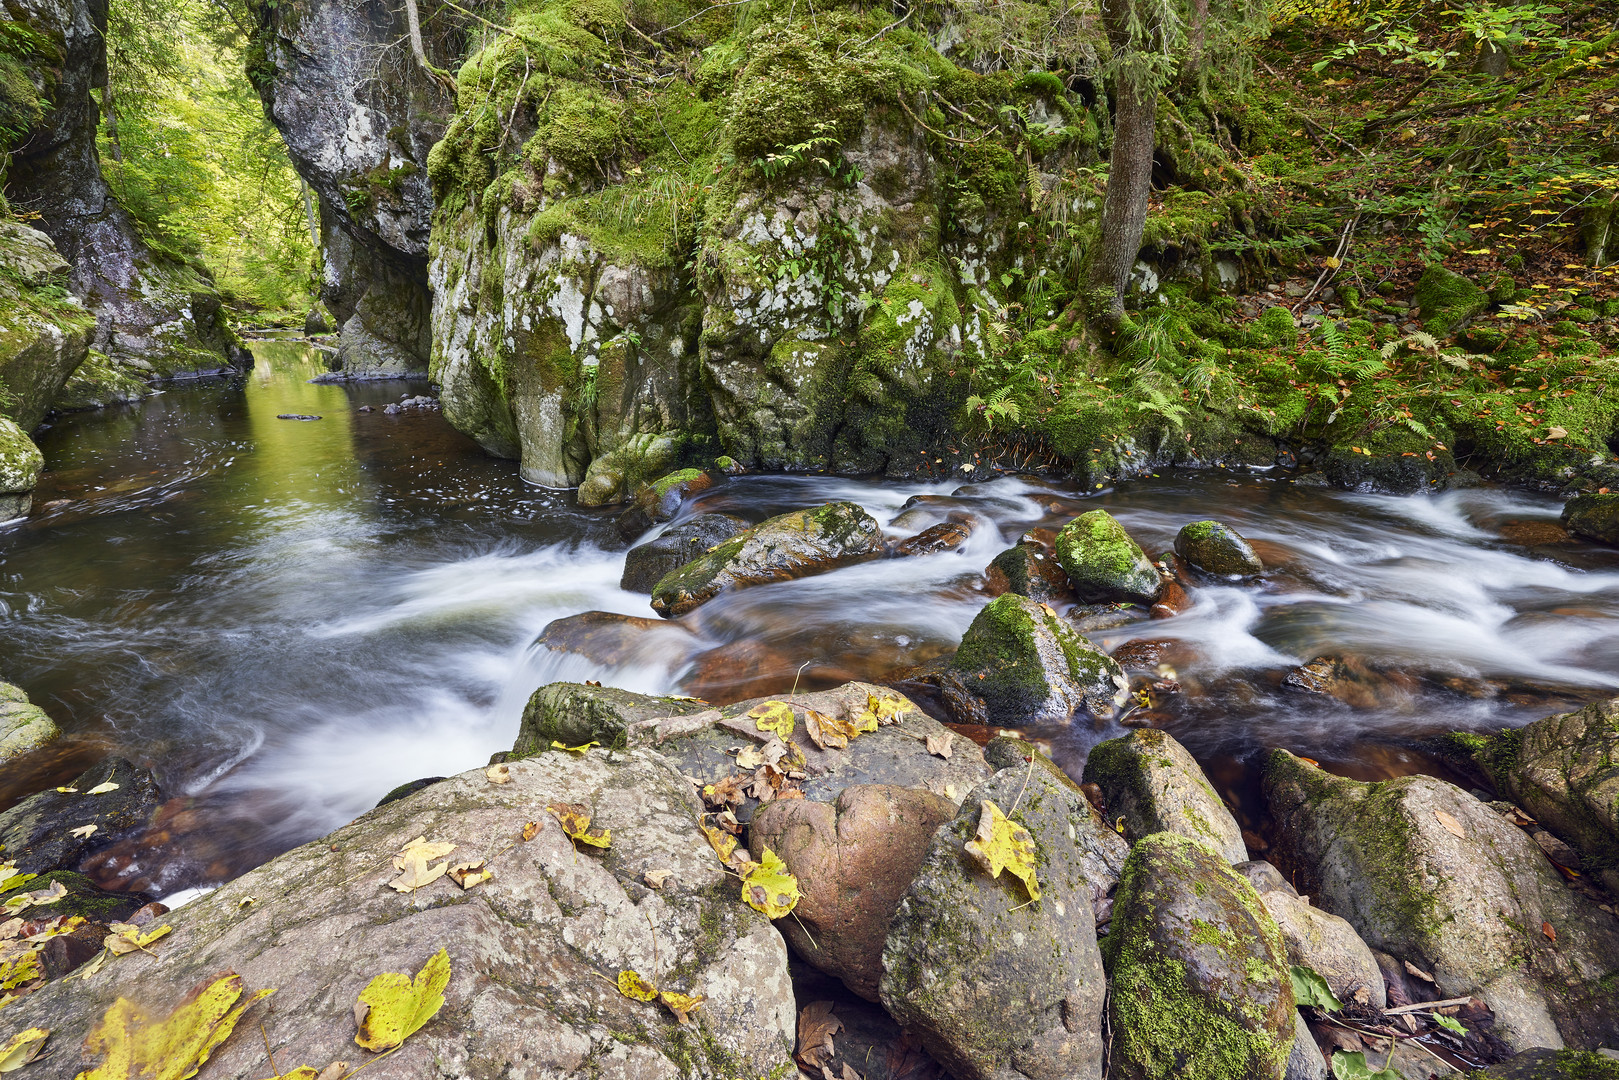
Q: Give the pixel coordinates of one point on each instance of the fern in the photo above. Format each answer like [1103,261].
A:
[998,406]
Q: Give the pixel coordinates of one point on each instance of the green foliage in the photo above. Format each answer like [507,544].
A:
[1353,1067]
[1310,989]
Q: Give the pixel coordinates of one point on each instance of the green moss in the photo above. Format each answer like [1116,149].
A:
[1103,561]
[1447,299]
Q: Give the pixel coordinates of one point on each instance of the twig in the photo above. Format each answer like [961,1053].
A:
[275,1070]
[1426,1006]
[1334,264]
[705,11]
[878,34]
[1025,786]
[942,135]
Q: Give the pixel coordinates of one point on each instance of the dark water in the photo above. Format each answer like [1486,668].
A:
[285,619]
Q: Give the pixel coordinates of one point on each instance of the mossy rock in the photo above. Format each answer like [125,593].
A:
[1447,300]
[1149,780]
[574,714]
[1274,329]
[84,899]
[20,460]
[1218,549]
[661,500]
[1104,563]
[1544,1064]
[37,833]
[1029,569]
[1199,974]
[1594,516]
[24,727]
[647,564]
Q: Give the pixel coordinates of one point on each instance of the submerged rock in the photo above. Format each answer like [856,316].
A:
[647,564]
[1595,517]
[24,726]
[1200,978]
[1217,549]
[1104,564]
[1150,781]
[1428,873]
[610,639]
[945,536]
[660,500]
[574,714]
[38,833]
[794,545]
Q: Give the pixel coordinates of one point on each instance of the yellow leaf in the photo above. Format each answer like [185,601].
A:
[416,874]
[470,874]
[138,1046]
[396,1006]
[575,818]
[774,716]
[83,831]
[23,969]
[334,1071]
[498,774]
[23,1048]
[880,710]
[1003,844]
[1331,262]
[68,790]
[421,848]
[723,843]
[127,938]
[828,731]
[580,749]
[102,789]
[768,887]
[531,829]
[682,1005]
[631,985]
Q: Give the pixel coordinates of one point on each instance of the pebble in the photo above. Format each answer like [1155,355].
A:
[295,416]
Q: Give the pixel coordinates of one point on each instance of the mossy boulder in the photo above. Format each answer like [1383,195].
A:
[319,320]
[660,500]
[24,727]
[1447,300]
[37,833]
[647,564]
[996,986]
[1594,516]
[1431,875]
[1149,780]
[1200,977]
[1218,549]
[1545,1064]
[1030,569]
[1104,563]
[789,546]
[1022,665]
[628,468]
[574,714]
[20,466]
[83,898]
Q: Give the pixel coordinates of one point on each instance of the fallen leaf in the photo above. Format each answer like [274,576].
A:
[1551,934]
[575,818]
[727,792]
[656,878]
[246,902]
[941,745]
[1418,972]
[1451,825]
[880,710]
[421,848]
[829,731]
[127,937]
[102,789]
[531,829]
[768,887]
[398,1005]
[469,874]
[418,874]
[334,1071]
[816,1025]
[724,845]
[499,774]
[23,1048]
[631,985]
[1003,844]
[68,790]
[682,1005]
[850,1074]
[749,758]
[20,970]
[1556,433]
[136,1044]
[578,751]
[774,716]
[83,831]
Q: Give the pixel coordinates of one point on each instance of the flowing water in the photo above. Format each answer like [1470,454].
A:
[286,618]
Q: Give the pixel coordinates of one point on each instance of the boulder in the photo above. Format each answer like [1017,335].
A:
[1564,771]
[854,858]
[44,336]
[647,564]
[1447,300]
[1327,945]
[37,833]
[794,545]
[20,466]
[1104,564]
[995,985]
[660,501]
[611,640]
[1149,780]
[68,895]
[1217,549]
[318,320]
[1021,665]
[24,727]
[945,536]
[533,953]
[1305,1062]
[1427,873]
[1595,517]
[1200,976]
[1030,569]
[574,714]
[1544,1064]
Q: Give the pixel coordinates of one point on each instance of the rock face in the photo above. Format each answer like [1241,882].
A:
[1149,780]
[37,833]
[1217,549]
[23,726]
[574,714]
[1595,517]
[793,545]
[647,564]
[1021,665]
[1104,564]
[1200,979]
[854,859]
[20,466]
[530,951]
[43,338]
[997,986]
[1428,873]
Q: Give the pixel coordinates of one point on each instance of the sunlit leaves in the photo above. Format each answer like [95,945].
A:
[767,886]
[1003,844]
[394,1006]
[575,819]
[774,716]
[631,985]
[135,1045]
[22,1048]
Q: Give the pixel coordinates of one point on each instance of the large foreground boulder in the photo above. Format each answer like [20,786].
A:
[1427,873]
[1149,780]
[23,725]
[1105,563]
[793,545]
[534,953]
[1200,979]
[996,985]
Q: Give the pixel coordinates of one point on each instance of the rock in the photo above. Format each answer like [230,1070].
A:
[1327,945]
[647,564]
[37,834]
[794,545]
[574,714]
[1264,877]
[45,338]
[1020,665]
[1426,872]
[81,899]
[1217,549]
[1305,1062]
[318,321]
[1544,1064]
[854,859]
[1171,601]
[1448,300]
[20,466]
[528,950]
[945,536]
[661,500]
[997,986]
[24,727]
[1594,516]
[1104,564]
[611,640]
[1151,781]
[1353,681]
[410,787]
[1199,974]
[1564,772]
[869,1042]
[1030,569]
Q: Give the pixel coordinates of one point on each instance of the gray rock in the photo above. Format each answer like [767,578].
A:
[533,952]
[1200,985]
[20,466]
[24,726]
[1305,1062]
[1217,549]
[1264,877]
[1104,563]
[997,986]
[1150,780]
[647,564]
[37,833]
[1594,516]
[1426,872]
[1544,1064]
[1329,946]
[574,714]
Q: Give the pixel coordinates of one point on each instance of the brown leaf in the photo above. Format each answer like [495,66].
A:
[816,1026]
[850,1074]
[941,745]
[1451,825]
[416,873]
[1418,972]
[469,874]
[727,792]
[531,829]
[656,878]
[1551,934]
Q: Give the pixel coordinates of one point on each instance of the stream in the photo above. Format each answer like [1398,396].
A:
[287,618]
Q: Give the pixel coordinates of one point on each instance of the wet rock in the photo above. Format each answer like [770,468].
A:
[1216,548]
[661,500]
[318,320]
[1171,601]
[37,833]
[1104,564]
[1264,877]
[1029,568]
[1200,976]
[627,468]
[1353,681]
[751,669]
[1564,771]
[997,986]
[80,898]
[1327,945]
[854,859]
[20,466]
[794,545]
[1095,617]
[945,536]
[867,1041]
[1595,517]
[1427,873]
[409,787]
[610,639]
[1150,781]
[1544,1064]
[1021,665]
[647,564]
[24,727]
[574,714]
[1305,1061]
[527,949]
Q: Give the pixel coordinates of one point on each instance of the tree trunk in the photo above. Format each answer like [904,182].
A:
[1129,178]
[414,20]
[110,113]
[1197,39]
